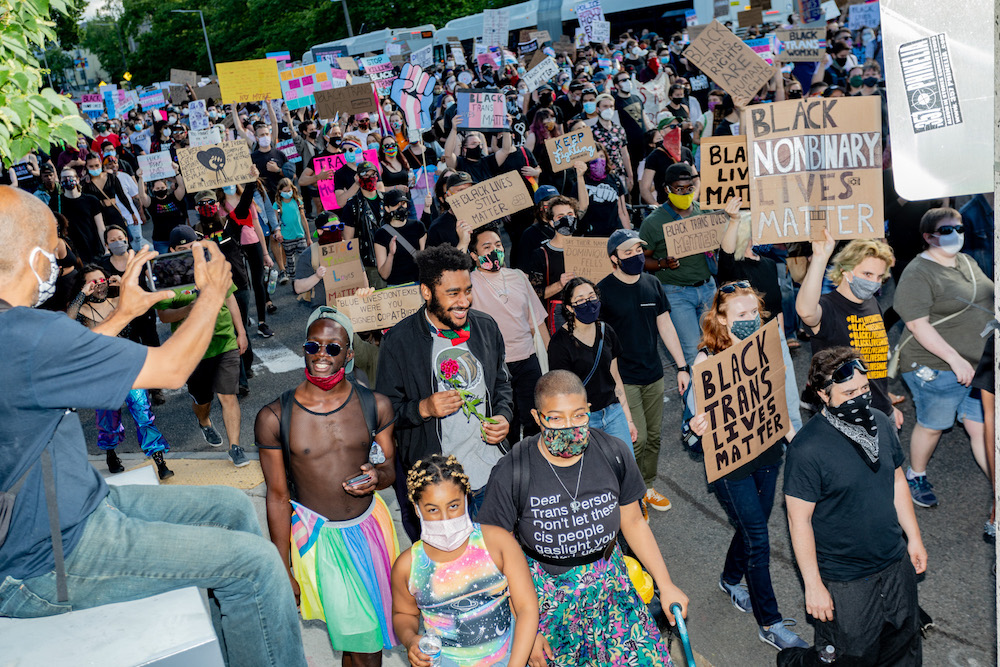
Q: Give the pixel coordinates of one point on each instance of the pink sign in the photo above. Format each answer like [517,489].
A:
[327,191]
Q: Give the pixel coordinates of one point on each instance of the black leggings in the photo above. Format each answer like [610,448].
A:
[255,260]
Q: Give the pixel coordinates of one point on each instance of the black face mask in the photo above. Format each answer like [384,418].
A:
[474,153]
[840,61]
[160,194]
[870,81]
[313,134]
[335,141]
[545,99]
[399,213]
[794,94]
[565,225]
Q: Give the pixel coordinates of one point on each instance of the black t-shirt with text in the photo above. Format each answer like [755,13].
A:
[632,309]
[166,214]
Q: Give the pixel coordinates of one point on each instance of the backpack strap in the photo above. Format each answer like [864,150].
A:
[597,359]
[618,465]
[285,426]
[520,475]
[400,239]
[368,408]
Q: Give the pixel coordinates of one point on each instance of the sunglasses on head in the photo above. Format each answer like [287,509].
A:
[312,347]
[845,372]
[948,229]
[729,288]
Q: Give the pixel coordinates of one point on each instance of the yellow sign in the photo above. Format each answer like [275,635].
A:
[249,81]
[127,76]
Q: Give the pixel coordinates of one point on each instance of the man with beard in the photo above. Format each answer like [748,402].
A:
[314,441]
[426,360]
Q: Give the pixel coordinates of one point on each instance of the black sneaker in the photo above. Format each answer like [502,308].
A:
[271,308]
[282,278]
[264,331]
[243,391]
[114,463]
[238,456]
[161,466]
[211,436]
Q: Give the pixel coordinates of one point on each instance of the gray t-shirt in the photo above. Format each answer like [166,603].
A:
[460,434]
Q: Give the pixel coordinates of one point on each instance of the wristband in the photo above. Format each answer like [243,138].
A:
[684,369]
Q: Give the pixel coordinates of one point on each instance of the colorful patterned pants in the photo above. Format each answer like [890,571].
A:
[111,430]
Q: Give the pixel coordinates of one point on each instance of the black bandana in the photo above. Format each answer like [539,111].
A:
[855,420]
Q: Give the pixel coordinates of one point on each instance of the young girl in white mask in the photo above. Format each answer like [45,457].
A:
[462,578]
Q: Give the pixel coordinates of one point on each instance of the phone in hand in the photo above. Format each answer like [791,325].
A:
[360,480]
[172,270]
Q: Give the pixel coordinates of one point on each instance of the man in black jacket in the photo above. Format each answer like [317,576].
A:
[425,361]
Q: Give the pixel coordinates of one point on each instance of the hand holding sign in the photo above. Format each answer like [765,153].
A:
[413,92]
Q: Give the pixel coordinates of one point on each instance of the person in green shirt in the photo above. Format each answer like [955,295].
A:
[687,281]
[218,372]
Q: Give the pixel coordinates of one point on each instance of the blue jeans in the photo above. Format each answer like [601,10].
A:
[612,421]
[686,307]
[748,503]
[145,540]
[937,400]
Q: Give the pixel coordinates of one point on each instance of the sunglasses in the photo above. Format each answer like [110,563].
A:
[729,288]
[388,146]
[948,229]
[845,372]
[312,347]
[99,281]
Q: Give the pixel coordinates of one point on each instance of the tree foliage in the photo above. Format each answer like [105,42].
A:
[31,115]
[246,29]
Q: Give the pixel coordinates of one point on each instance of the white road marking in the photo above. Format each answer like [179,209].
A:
[276,358]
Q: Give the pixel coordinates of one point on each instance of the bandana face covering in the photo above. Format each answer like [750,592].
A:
[327,383]
[855,420]
[743,329]
[208,210]
[492,261]
[447,534]
[566,442]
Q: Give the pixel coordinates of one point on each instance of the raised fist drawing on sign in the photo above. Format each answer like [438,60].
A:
[412,92]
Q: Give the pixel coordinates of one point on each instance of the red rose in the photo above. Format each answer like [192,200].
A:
[449,368]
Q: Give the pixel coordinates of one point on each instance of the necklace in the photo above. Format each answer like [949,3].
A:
[504,296]
[575,504]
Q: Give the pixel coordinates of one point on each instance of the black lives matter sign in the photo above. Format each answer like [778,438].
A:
[929,84]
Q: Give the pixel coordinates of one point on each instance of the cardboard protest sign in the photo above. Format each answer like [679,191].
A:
[92,104]
[207,137]
[729,62]
[749,17]
[151,99]
[587,257]
[347,63]
[742,390]
[566,149]
[863,16]
[830,10]
[327,191]
[211,167]
[540,73]
[210,91]
[347,101]
[694,235]
[413,92]
[496,25]
[344,272]
[383,309]
[540,36]
[184,76]
[802,44]
[178,94]
[156,166]
[198,115]
[484,110]
[815,163]
[600,31]
[299,84]
[248,81]
[586,13]
[379,70]
[491,200]
[724,171]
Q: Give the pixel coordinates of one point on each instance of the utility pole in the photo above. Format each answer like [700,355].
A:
[347,17]
[208,47]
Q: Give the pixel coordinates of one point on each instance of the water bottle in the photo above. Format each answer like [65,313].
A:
[272,280]
[430,645]
[828,655]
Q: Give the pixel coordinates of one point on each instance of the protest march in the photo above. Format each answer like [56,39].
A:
[424,337]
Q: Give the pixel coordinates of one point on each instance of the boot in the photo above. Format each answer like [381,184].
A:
[161,466]
[114,463]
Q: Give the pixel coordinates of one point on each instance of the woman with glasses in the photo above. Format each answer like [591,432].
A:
[747,493]
[565,494]
[590,348]
[945,300]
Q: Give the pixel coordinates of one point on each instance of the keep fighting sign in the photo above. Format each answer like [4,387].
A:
[815,164]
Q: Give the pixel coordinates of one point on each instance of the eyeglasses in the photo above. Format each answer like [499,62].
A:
[312,347]
[729,288]
[99,281]
[948,229]
[558,421]
[682,190]
[845,372]
[580,303]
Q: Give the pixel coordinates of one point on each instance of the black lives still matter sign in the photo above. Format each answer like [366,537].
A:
[929,84]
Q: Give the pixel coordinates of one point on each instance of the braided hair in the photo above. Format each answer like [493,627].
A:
[434,470]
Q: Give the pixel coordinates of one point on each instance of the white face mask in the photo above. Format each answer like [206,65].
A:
[625,86]
[952,243]
[264,141]
[607,114]
[46,288]
[447,534]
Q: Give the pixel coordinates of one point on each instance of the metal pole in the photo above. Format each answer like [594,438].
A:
[211,63]
[121,44]
[347,17]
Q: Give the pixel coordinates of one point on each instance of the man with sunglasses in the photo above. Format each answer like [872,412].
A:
[687,281]
[848,510]
[326,447]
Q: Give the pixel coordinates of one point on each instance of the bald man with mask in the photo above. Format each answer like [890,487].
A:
[125,542]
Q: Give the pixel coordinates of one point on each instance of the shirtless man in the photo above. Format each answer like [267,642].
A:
[336,533]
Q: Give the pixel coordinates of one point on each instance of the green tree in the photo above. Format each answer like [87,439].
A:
[31,116]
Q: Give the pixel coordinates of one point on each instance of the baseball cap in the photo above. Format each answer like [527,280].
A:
[623,238]
[545,192]
[458,178]
[393,197]
[366,166]
[203,195]
[182,234]
[331,313]
[678,172]
[666,121]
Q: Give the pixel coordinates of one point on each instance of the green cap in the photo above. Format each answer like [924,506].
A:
[331,313]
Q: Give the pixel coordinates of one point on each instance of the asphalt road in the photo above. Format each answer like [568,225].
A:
[957,590]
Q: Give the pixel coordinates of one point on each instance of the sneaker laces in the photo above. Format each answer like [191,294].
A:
[783,629]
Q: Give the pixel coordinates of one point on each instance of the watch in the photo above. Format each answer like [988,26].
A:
[684,369]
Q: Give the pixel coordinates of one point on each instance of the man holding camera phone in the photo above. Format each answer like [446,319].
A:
[218,373]
[124,542]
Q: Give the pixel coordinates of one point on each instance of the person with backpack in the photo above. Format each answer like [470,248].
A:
[565,494]
[325,448]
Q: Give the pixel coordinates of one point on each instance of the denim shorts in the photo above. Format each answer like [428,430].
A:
[938,401]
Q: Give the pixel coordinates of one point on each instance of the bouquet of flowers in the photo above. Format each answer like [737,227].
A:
[448,371]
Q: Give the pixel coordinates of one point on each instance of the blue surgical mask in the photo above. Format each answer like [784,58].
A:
[351,157]
[590,107]
[743,329]
[286,194]
[373,145]
[229,189]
